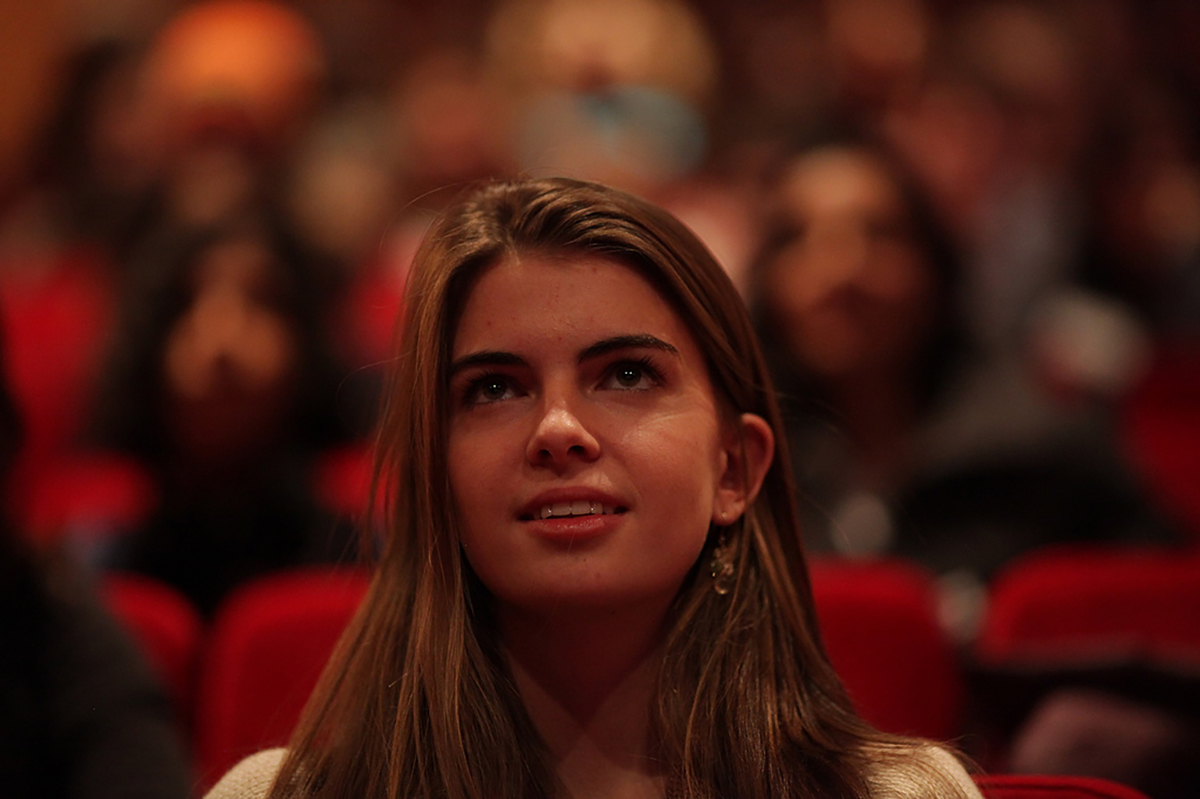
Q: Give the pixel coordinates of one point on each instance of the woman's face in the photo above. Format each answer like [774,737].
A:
[230,360]
[587,457]
[853,290]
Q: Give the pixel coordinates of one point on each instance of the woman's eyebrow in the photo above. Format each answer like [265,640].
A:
[486,358]
[631,341]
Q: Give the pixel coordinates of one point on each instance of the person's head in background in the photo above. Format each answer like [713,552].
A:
[1146,232]
[518,367]
[618,92]
[232,84]
[856,285]
[220,361]
[98,154]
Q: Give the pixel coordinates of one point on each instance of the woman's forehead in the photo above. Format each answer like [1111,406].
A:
[562,295]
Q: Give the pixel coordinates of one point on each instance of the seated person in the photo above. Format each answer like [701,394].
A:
[221,382]
[904,439]
[81,715]
[592,582]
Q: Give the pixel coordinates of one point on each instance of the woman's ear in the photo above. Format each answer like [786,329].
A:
[749,448]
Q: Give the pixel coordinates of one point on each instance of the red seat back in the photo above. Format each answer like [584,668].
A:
[269,642]
[1030,786]
[55,321]
[1107,601]
[880,626]
[168,629]
[97,492]
[342,480]
[1159,430]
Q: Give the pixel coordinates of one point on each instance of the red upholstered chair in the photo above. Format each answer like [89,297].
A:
[96,492]
[1076,602]
[880,626]
[1159,430]
[342,480]
[269,643]
[1029,786]
[168,629]
[55,316]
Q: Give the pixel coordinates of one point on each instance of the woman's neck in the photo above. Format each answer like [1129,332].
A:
[587,680]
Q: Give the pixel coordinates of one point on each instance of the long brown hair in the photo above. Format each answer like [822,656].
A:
[417,701]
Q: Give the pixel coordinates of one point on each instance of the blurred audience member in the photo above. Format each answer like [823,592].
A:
[1146,233]
[222,382]
[99,156]
[1144,259]
[624,93]
[905,440]
[232,85]
[879,51]
[257,56]
[451,124]
[775,75]
[81,715]
[614,92]
[1012,99]
[70,220]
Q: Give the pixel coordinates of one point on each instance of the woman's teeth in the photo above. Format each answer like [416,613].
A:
[580,507]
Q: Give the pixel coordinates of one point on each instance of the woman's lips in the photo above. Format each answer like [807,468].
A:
[574,530]
[572,515]
[569,504]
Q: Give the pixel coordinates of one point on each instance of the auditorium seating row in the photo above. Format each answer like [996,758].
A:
[240,684]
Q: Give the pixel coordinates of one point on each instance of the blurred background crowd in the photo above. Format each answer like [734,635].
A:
[968,229]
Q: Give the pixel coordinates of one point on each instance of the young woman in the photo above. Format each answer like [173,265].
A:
[593,583]
[905,438]
[222,384]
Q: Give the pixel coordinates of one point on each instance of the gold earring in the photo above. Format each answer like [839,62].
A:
[722,567]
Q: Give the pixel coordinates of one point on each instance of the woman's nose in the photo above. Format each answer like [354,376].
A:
[841,252]
[561,437]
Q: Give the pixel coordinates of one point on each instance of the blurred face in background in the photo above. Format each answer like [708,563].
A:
[230,361]
[852,291]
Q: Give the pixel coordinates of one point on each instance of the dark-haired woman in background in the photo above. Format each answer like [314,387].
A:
[905,442]
[222,382]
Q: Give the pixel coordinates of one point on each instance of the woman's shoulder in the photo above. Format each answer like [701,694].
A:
[923,772]
[250,779]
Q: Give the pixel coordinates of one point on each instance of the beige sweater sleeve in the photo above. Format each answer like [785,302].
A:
[250,779]
[930,772]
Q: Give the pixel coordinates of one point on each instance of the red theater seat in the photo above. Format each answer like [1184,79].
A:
[880,626]
[342,480]
[96,493]
[269,643]
[55,318]
[1028,786]
[1159,429]
[1112,602]
[168,629]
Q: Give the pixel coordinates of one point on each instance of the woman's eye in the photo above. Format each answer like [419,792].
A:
[632,376]
[488,389]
